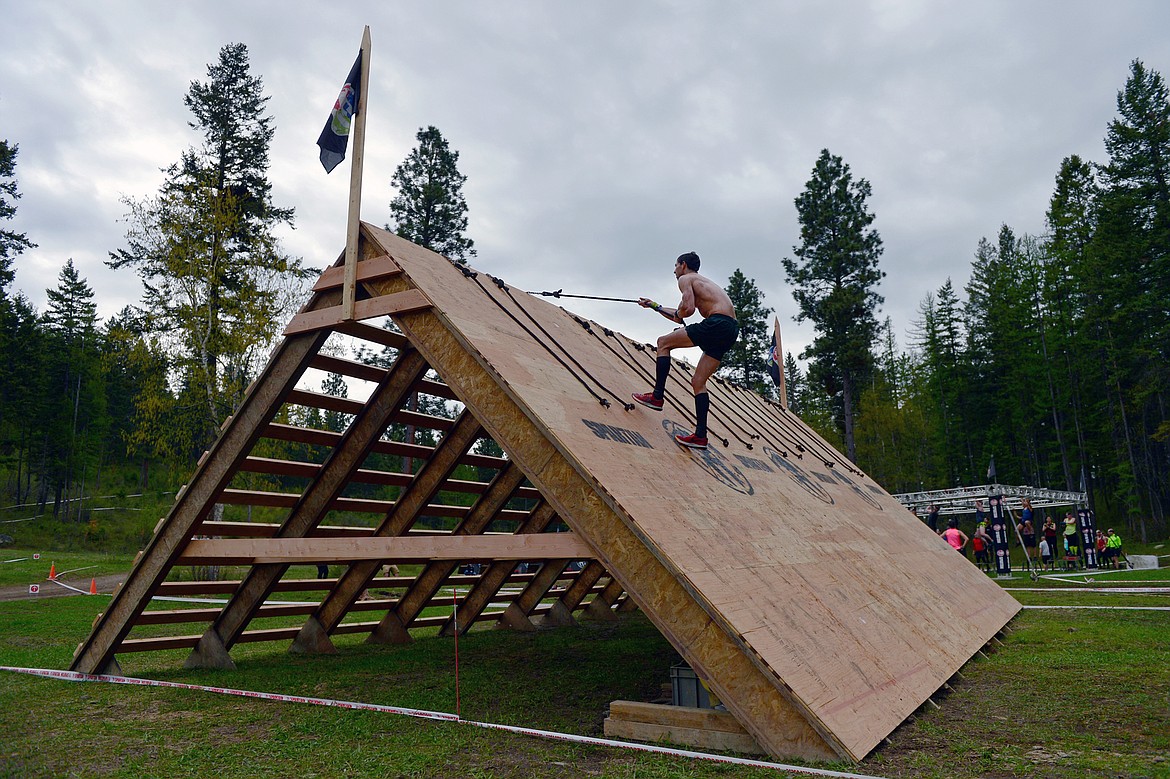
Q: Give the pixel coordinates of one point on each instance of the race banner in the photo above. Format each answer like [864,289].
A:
[999,535]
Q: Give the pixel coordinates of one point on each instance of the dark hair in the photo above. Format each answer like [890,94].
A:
[691,259]
[953,523]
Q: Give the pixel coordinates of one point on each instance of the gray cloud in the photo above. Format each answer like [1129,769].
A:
[601,139]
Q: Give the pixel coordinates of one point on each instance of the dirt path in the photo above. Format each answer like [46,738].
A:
[48,589]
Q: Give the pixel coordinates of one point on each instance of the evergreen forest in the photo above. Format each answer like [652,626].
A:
[1050,360]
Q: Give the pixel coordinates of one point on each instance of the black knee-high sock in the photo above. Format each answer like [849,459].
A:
[662,370]
[702,405]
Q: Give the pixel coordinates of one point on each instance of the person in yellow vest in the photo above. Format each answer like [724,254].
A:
[1113,549]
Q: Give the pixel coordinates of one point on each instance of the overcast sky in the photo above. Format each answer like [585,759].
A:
[600,139]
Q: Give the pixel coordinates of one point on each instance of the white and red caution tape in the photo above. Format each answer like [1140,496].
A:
[74,676]
[1105,608]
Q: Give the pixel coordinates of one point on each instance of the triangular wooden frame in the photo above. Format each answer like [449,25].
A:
[820,611]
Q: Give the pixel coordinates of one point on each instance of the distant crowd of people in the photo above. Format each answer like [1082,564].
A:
[1050,546]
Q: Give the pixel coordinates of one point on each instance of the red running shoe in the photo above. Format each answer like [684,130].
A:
[648,400]
[691,441]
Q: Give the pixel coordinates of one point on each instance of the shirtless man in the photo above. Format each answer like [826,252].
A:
[714,335]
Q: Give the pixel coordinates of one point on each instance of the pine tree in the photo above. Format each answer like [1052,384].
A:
[216,280]
[746,362]
[76,403]
[835,282]
[11,243]
[1131,254]
[18,352]
[429,209]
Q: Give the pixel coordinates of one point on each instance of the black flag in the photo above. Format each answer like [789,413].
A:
[335,137]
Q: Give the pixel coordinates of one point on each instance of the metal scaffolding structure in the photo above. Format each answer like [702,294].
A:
[961,500]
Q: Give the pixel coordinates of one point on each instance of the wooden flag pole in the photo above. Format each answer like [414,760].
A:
[349,290]
[780,365]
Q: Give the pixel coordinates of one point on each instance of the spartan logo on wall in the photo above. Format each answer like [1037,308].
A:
[713,462]
[797,475]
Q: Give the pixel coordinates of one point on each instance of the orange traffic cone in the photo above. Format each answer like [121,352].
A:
[52,570]
[93,587]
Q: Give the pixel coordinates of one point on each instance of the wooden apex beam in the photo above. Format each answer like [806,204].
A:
[255,551]
[367,270]
[383,305]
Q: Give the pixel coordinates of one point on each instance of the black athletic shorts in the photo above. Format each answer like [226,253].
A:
[714,335]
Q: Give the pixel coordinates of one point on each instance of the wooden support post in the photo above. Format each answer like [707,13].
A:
[282,372]
[601,607]
[562,610]
[516,615]
[345,459]
[412,502]
[353,224]
[496,574]
[431,578]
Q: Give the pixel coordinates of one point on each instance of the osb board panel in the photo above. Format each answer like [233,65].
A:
[858,610]
[748,688]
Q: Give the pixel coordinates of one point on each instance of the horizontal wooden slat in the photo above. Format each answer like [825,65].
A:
[367,270]
[227,587]
[373,334]
[524,546]
[305,470]
[384,305]
[350,368]
[288,500]
[173,616]
[327,438]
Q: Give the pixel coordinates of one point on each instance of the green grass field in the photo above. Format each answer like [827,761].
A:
[1071,693]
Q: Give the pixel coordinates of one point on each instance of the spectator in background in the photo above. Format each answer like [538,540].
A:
[932,518]
[1046,553]
[1113,548]
[1071,545]
[1050,533]
[981,543]
[955,537]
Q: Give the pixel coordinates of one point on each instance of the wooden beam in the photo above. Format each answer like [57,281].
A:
[328,438]
[367,270]
[562,610]
[432,576]
[268,465]
[377,335]
[383,305]
[518,616]
[601,607]
[702,728]
[410,505]
[292,551]
[236,439]
[496,575]
[351,451]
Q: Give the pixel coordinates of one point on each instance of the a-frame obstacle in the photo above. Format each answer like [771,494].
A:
[821,611]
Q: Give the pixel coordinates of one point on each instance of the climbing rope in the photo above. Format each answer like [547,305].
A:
[633,362]
[473,276]
[625,404]
[563,294]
